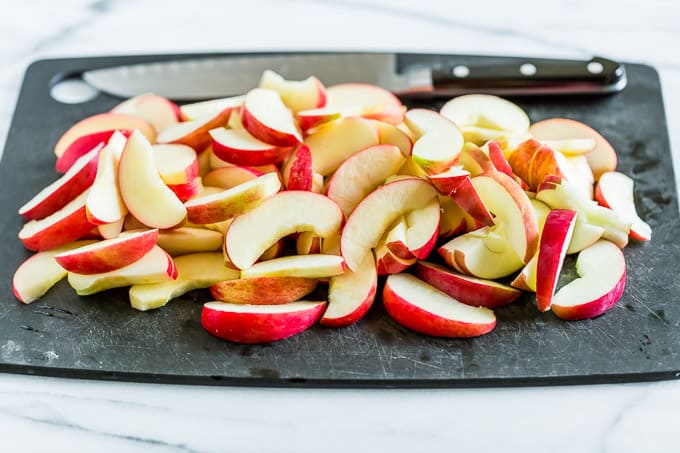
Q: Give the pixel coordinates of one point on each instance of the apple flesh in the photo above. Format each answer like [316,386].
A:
[232,176]
[309,119]
[239,147]
[615,191]
[422,229]
[602,279]
[104,203]
[187,190]
[486,111]
[387,262]
[158,111]
[369,101]
[194,133]
[266,117]
[296,95]
[439,140]
[83,145]
[351,295]
[184,240]
[213,107]
[306,266]
[176,164]
[422,308]
[194,271]
[252,324]
[263,290]
[390,134]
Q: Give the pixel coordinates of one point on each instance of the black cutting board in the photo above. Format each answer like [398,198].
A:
[102,337]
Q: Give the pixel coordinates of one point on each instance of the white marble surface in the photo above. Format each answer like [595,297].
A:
[57,415]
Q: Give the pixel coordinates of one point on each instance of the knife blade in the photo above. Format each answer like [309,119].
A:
[407,75]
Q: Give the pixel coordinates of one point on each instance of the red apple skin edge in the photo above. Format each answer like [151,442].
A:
[426,323]
[356,315]
[593,308]
[82,146]
[254,328]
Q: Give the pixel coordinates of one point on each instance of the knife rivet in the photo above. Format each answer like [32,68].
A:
[594,67]
[461,71]
[527,69]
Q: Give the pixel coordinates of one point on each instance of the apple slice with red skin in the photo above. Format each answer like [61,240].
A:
[602,279]
[387,262]
[469,199]
[104,203]
[601,159]
[64,226]
[158,111]
[307,243]
[361,173]
[439,140]
[288,212]
[307,266]
[194,271]
[498,158]
[424,309]
[232,176]
[298,172]
[194,133]
[389,134]
[615,191]
[239,147]
[40,272]
[309,119]
[557,233]
[454,220]
[176,164]
[473,291]
[263,290]
[188,190]
[103,122]
[213,107]
[487,111]
[252,324]
[377,212]
[232,202]
[448,181]
[366,100]
[351,295]
[296,95]
[395,239]
[266,118]
[422,229]
[58,194]
[83,145]
[521,157]
[333,143]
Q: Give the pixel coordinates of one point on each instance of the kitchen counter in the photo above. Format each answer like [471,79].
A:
[49,414]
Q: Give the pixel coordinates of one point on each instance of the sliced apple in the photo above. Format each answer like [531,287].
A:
[387,262]
[389,134]
[285,213]
[158,111]
[213,107]
[439,140]
[351,295]
[366,100]
[377,211]
[602,271]
[181,241]
[557,232]
[111,230]
[58,194]
[296,95]
[498,158]
[239,147]
[361,173]
[475,160]
[232,176]
[194,133]
[188,190]
[194,271]
[422,229]
[454,220]
[155,266]
[424,309]
[307,243]
[448,181]
[468,290]
[103,122]
[486,111]
[526,279]
[259,323]
[40,272]
[266,117]
[144,192]
[83,145]
[395,239]
[334,142]
[176,164]
[104,203]
[615,191]
[306,266]
[585,235]
[263,290]
[298,171]
[309,119]
[108,255]
[572,147]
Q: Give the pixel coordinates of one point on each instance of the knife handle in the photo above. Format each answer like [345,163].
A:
[529,77]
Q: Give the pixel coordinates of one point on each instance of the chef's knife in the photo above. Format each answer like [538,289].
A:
[407,75]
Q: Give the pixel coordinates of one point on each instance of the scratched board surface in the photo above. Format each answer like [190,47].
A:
[102,337]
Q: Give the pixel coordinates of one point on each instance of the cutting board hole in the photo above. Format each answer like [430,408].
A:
[72,91]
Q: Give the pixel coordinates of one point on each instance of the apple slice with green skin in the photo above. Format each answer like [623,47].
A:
[602,271]
[40,272]
[108,255]
[194,271]
[176,164]
[351,295]
[104,203]
[615,191]
[377,212]
[484,253]
[361,173]
[468,290]
[309,119]
[306,266]
[267,118]
[83,145]
[158,111]
[334,142]
[144,192]
[439,140]
[228,177]
[422,229]
[298,172]
[188,190]
[184,240]
[252,324]
[601,159]
[155,266]
[263,290]
[194,133]
[486,111]
[213,107]
[296,95]
[285,213]
[103,122]
[239,147]
[366,100]
[232,202]
[557,232]
[424,309]
[64,226]
[511,206]
[58,194]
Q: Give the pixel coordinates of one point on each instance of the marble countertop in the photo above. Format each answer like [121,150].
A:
[49,414]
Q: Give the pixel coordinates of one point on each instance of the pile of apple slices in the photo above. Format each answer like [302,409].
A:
[291,201]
